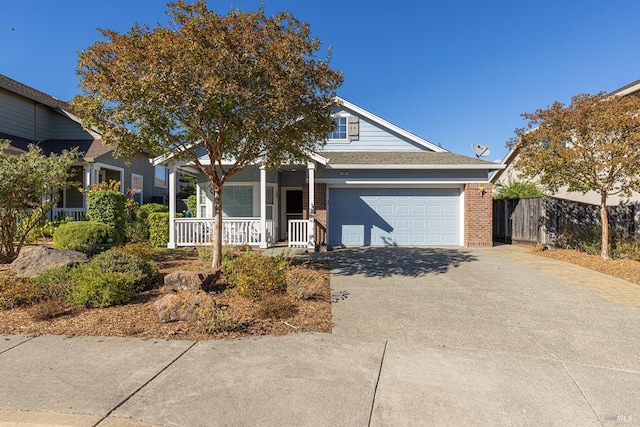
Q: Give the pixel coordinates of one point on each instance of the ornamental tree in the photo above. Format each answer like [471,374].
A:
[593,144]
[244,88]
[30,184]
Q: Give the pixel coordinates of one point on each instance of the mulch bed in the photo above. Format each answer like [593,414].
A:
[139,319]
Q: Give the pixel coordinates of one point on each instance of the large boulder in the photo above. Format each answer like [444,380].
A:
[40,258]
[182,305]
[192,281]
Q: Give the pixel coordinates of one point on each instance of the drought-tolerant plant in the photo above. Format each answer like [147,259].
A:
[84,236]
[94,287]
[15,292]
[275,307]
[144,273]
[211,320]
[304,283]
[257,276]
[583,238]
[627,248]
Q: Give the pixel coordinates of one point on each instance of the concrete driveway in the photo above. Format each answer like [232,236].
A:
[478,337]
[422,336]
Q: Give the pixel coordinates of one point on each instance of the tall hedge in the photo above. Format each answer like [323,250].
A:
[159,228]
[108,207]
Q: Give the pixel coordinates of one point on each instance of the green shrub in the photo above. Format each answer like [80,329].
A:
[627,248]
[94,287]
[149,208]
[108,207]
[46,228]
[142,250]
[583,238]
[159,229]
[84,236]
[257,276]
[136,231]
[144,273]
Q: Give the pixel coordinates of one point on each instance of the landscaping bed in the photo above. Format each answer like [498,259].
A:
[138,318]
[626,269]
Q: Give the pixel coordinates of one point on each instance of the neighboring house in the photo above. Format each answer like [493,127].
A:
[29,116]
[372,184]
[510,173]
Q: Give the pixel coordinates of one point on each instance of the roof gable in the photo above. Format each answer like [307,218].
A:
[396,138]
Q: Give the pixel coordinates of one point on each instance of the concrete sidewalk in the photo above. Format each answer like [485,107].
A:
[422,336]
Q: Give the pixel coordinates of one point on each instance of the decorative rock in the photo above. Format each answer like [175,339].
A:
[33,261]
[182,305]
[192,280]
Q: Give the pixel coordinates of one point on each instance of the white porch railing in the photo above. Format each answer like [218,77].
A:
[235,231]
[298,233]
[76,213]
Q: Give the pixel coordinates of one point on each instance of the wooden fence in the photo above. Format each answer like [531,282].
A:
[545,219]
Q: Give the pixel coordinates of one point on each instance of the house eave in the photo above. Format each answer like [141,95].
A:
[418,167]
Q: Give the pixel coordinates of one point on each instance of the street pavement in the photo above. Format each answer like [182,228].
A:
[422,337]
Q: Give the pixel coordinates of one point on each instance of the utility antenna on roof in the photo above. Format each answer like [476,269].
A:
[480,150]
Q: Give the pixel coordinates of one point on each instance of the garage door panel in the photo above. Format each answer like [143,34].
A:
[393,216]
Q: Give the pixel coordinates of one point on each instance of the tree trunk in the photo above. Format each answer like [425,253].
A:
[604,220]
[216,262]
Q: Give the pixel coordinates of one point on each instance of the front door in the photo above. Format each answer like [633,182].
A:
[292,207]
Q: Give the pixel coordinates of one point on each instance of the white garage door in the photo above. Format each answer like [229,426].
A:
[394,216]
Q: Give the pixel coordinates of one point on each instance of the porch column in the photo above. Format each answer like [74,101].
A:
[311,239]
[172,208]
[88,172]
[263,207]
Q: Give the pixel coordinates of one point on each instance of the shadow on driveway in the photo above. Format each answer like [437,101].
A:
[394,261]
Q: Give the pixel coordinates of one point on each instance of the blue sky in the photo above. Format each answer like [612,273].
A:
[452,72]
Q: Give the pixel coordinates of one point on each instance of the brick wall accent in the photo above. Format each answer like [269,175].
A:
[321,210]
[478,211]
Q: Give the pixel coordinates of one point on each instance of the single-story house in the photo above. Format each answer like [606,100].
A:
[371,184]
[29,116]
[502,177]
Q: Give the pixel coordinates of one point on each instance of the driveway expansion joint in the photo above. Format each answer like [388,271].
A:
[136,391]
[375,389]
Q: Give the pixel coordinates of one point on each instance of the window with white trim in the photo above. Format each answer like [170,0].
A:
[237,201]
[202,201]
[269,202]
[340,131]
[136,187]
[160,177]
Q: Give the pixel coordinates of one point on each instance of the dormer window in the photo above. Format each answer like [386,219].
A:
[340,131]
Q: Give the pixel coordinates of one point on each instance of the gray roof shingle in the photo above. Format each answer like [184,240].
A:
[427,158]
[31,93]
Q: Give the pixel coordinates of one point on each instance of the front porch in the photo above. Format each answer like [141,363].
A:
[260,208]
